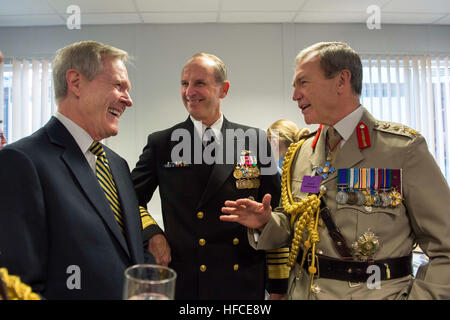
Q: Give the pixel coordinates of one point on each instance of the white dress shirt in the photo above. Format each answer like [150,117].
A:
[216,127]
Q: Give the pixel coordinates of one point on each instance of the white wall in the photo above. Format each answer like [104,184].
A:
[259,58]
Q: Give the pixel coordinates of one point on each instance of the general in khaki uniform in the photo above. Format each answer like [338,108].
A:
[422,217]
[357,196]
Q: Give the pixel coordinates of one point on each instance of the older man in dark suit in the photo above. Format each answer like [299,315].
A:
[69,217]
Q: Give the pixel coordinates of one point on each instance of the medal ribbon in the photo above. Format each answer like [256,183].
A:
[379,174]
[363,178]
[396,179]
[342,177]
[356,180]
[388,179]
[373,180]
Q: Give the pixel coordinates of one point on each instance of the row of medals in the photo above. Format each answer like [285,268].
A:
[247,176]
[369,198]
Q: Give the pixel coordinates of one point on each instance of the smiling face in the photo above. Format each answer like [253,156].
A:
[200,92]
[316,95]
[104,99]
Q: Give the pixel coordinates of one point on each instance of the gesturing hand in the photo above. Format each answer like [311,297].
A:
[247,212]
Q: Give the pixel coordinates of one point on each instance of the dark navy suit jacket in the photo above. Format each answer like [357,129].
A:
[54,218]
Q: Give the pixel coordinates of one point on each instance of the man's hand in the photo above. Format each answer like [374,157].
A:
[249,213]
[159,248]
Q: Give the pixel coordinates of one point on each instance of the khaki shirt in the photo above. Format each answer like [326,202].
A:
[423,217]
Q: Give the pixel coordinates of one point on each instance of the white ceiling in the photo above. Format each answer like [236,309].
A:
[94,12]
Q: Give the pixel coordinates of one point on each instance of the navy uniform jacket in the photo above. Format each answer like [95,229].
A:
[213,259]
[54,215]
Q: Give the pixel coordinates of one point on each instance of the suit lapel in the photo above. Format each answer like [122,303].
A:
[317,157]
[76,162]
[130,215]
[220,172]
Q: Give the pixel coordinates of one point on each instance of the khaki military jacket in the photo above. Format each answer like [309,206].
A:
[423,217]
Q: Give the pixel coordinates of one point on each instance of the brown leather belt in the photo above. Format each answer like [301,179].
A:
[356,271]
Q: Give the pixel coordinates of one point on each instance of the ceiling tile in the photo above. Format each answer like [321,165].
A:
[94,6]
[428,6]
[330,17]
[22,7]
[179,17]
[261,5]
[177,5]
[409,18]
[341,5]
[110,18]
[31,20]
[256,17]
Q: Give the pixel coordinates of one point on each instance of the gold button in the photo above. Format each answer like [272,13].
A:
[235,241]
[200,214]
[202,268]
[202,242]
[236,267]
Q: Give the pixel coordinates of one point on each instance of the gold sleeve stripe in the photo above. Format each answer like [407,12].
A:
[278,271]
[278,255]
[280,250]
[146,218]
[272,262]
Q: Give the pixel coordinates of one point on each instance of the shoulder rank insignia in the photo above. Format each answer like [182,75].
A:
[396,128]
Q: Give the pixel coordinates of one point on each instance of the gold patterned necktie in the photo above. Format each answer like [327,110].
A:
[106,181]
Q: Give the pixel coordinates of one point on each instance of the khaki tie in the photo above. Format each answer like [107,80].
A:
[333,143]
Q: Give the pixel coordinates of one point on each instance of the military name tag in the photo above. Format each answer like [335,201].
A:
[311,184]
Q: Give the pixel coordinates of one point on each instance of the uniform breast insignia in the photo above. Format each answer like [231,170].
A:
[246,172]
[362,132]
[176,164]
[366,246]
[369,187]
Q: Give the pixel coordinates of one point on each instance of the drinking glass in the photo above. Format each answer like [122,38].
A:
[149,282]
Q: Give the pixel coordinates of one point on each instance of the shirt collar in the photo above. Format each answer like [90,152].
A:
[200,127]
[82,138]
[347,125]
